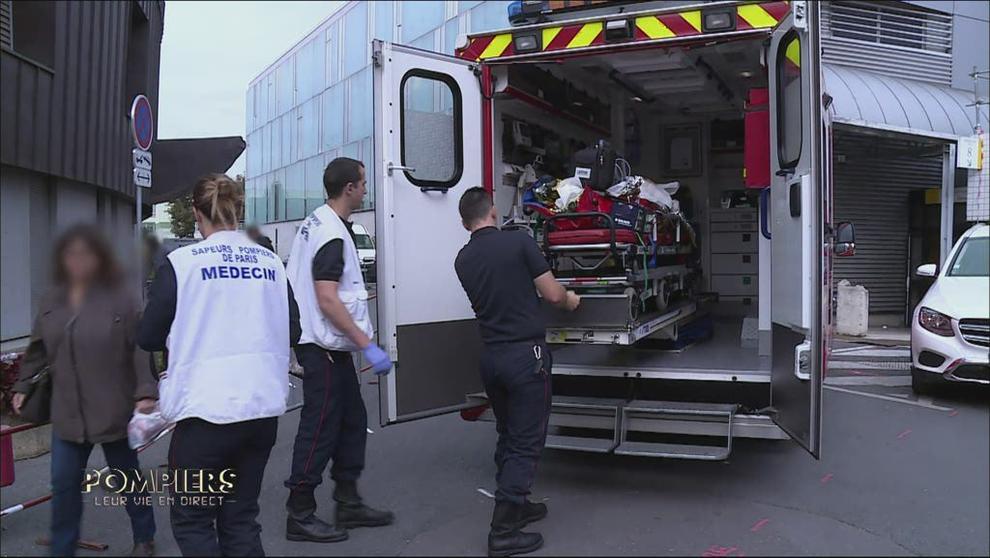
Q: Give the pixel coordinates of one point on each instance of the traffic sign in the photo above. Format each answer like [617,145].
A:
[142,178]
[141,159]
[142,122]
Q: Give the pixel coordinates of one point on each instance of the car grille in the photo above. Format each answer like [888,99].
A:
[975,331]
[973,372]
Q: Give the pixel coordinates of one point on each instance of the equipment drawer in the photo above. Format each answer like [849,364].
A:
[734,242]
[739,226]
[725,264]
[735,285]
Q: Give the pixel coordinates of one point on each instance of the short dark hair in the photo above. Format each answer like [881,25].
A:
[475,205]
[339,173]
[96,242]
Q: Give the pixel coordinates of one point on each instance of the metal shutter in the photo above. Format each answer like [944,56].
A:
[6,38]
[872,179]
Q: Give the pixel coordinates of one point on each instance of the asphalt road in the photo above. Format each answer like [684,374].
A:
[898,477]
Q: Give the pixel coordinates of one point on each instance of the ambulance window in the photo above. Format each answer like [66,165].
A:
[789,97]
[431,141]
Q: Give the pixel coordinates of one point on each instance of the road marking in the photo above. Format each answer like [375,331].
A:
[759,525]
[715,550]
[889,381]
[486,493]
[886,398]
[370,431]
[904,434]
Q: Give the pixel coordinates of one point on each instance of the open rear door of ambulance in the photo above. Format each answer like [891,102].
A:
[428,151]
[798,209]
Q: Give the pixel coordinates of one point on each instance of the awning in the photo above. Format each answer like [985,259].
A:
[177,163]
[868,99]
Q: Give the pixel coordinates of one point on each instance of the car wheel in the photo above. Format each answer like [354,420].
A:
[921,381]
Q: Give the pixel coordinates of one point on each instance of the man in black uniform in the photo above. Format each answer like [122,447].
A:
[501,272]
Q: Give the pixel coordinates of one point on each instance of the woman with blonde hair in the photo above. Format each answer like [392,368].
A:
[224,311]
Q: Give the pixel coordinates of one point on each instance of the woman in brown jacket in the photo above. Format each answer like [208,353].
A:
[84,332]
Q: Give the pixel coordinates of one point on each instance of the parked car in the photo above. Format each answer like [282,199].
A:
[366,252]
[950,332]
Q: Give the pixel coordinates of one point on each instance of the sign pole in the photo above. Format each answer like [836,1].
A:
[143,131]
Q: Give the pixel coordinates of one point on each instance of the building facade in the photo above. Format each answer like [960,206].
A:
[69,72]
[314,103]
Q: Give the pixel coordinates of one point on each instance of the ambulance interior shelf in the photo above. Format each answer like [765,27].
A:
[617,239]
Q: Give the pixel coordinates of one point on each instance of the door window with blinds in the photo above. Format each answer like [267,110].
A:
[431,141]
[789,98]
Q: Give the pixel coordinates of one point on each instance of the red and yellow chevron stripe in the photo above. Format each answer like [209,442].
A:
[649,27]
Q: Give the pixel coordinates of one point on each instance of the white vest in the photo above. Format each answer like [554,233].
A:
[228,349]
[322,226]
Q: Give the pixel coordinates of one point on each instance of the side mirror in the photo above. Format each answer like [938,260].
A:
[845,240]
[927,270]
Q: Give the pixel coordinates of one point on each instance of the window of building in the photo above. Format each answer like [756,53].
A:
[314,183]
[789,98]
[420,17]
[309,129]
[253,162]
[360,117]
[310,68]
[332,56]
[431,139]
[333,117]
[385,20]
[285,129]
[276,195]
[285,78]
[295,191]
[32,32]
[356,42]
[489,15]
[465,5]
[352,150]
[426,42]
[266,154]
[451,30]
[275,144]
[271,97]
[368,158]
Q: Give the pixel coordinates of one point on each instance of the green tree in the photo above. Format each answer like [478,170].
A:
[183,222]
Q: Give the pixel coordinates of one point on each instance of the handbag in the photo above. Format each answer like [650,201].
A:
[37,406]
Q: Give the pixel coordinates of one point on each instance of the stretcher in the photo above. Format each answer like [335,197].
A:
[626,281]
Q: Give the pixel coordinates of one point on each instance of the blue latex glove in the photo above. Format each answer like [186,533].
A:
[378,359]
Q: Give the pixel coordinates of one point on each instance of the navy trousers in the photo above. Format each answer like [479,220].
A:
[516,377]
[228,527]
[333,423]
[68,470]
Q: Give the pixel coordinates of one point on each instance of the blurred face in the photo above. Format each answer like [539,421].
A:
[81,263]
[356,191]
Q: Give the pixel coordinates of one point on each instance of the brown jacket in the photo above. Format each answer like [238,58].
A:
[97,370]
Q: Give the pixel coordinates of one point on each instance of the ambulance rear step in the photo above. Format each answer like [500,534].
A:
[606,320]
[613,419]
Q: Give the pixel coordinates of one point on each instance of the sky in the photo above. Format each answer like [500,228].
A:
[212,50]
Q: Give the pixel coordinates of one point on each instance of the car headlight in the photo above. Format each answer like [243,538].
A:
[935,322]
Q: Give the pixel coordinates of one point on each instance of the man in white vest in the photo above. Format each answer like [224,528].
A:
[325,272]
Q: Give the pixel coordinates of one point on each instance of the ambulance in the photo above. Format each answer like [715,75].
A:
[726,98]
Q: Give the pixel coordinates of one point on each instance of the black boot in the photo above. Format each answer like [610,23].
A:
[532,512]
[352,512]
[505,538]
[302,523]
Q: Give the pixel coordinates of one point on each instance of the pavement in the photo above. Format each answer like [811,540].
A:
[898,476]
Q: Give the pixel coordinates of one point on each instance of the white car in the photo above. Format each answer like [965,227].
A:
[366,250]
[950,331]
